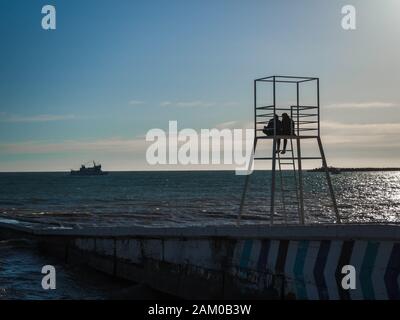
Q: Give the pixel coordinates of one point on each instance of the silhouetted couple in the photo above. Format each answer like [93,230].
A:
[283,128]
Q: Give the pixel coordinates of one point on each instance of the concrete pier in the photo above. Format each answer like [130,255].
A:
[218,262]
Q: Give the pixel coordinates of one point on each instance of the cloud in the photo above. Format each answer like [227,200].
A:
[362,105]
[235,125]
[360,142]
[112,145]
[353,135]
[165,103]
[197,103]
[230,104]
[188,104]
[35,118]
[347,134]
[365,129]
[136,102]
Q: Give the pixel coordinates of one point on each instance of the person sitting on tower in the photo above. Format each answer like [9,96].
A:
[287,129]
[274,127]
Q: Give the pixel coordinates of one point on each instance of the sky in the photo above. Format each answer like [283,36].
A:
[113,70]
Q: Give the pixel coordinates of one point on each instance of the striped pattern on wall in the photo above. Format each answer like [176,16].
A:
[313,269]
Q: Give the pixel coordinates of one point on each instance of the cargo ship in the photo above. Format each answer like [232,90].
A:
[89,171]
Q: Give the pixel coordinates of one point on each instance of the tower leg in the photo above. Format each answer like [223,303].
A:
[246,183]
[328,178]
[273,182]
[282,188]
[301,191]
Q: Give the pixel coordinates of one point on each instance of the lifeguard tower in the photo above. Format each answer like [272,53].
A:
[307,126]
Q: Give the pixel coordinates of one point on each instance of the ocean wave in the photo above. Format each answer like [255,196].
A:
[191,197]
[16,243]
[9,203]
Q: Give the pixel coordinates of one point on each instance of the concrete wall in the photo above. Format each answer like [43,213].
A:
[229,262]
[310,269]
[313,269]
[189,268]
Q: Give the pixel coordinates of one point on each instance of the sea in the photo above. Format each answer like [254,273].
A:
[168,198]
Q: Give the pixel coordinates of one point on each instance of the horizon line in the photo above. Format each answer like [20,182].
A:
[194,170]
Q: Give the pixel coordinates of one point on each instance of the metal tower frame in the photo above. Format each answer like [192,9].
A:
[307,126]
